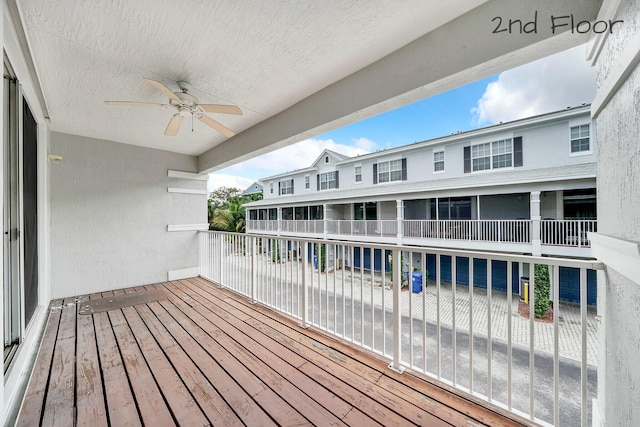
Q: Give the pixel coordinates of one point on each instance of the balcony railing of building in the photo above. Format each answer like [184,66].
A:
[569,233]
[471,338]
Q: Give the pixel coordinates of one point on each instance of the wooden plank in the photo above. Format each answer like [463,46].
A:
[445,404]
[178,396]
[357,418]
[121,405]
[90,401]
[59,401]
[151,404]
[274,355]
[280,409]
[190,367]
[33,403]
[388,408]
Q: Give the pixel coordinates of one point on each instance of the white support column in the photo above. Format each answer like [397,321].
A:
[396,313]
[536,245]
[325,213]
[279,219]
[400,219]
[305,269]
[253,247]
[478,207]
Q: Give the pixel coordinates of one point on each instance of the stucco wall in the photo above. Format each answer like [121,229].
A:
[619,216]
[109,214]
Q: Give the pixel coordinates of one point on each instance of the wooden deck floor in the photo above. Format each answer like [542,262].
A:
[205,356]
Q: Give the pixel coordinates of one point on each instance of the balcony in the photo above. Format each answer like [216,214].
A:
[555,237]
[468,339]
[190,353]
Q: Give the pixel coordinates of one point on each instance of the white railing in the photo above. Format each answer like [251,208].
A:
[469,338]
[504,230]
[262,224]
[568,232]
[299,226]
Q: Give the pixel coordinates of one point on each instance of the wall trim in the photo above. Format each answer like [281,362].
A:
[184,273]
[186,191]
[620,72]
[187,175]
[187,227]
[608,11]
[620,254]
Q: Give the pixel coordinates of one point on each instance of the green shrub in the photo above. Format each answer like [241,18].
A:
[542,287]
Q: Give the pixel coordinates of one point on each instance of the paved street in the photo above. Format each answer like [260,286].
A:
[343,304]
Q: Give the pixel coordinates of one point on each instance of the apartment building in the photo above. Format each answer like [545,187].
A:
[526,186]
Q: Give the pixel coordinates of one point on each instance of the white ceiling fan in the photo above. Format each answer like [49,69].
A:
[186,105]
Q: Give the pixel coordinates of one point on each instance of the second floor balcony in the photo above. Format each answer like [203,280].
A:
[553,237]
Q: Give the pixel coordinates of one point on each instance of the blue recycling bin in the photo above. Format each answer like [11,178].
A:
[416,282]
[315,262]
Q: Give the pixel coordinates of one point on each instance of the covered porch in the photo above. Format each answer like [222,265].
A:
[191,353]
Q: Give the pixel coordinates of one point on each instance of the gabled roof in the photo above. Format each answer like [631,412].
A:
[337,156]
[254,188]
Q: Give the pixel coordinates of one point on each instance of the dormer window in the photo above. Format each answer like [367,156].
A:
[326,159]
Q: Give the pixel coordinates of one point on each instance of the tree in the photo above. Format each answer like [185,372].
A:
[226,211]
[542,287]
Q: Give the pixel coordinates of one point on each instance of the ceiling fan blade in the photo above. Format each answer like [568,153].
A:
[215,125]
[224,109]
[174,125]
[164,89]
[135,103]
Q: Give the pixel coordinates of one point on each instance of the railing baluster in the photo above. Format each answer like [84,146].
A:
[397,315]
[453,318]
[471,325]
[509,331]
[556,345]
[438,332]
[489,327]
[583,353]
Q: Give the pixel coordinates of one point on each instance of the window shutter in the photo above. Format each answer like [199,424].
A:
[318,181]
[279,190]
[337,179]
[375,173]
[292,186]
[404,169]
[517,151]
[467,159]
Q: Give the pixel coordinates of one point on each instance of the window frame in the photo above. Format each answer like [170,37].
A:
[324,179]
[492,155]
[286,187]
[384,169]
[580,138]
[357,174]
[436,162]
[307,182]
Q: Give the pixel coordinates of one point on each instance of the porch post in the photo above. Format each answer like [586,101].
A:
[400,219]
[325,229]
[253,247]
[303,284]
[279,219]
[536,244]
[396,312]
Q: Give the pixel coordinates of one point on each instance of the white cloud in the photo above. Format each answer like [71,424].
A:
[548,84]
[217,180]
[302,155]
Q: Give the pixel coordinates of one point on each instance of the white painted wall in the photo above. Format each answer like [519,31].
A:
[109,214]
[618,192]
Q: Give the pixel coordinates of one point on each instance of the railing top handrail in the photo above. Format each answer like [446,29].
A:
[500,256]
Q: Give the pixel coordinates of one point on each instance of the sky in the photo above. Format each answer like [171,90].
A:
[548,84]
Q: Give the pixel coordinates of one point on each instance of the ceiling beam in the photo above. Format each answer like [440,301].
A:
[461,51]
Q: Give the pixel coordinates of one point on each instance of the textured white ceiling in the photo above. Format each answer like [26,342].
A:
[263,56]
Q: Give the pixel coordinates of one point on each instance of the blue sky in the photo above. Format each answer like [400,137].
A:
[548,84]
